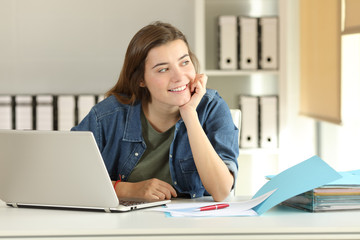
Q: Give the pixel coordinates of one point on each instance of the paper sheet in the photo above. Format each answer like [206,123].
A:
[243,208]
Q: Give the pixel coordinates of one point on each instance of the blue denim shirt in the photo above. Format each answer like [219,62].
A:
[117,131]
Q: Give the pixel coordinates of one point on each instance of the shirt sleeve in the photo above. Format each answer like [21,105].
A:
[90,123]
[222,132]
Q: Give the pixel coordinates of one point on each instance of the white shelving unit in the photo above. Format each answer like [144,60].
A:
[254,164]
[206,47]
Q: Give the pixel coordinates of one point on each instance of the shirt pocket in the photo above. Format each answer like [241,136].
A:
[188,165]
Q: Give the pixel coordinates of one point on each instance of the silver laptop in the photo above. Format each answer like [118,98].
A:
[57,169]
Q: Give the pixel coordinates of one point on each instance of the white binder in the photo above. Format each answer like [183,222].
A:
[85,103]
[228,42]
[24,113]
[44,112]
[249,136]
[268,43]
[5,112]
[66,112]
[269,122]
[248,39]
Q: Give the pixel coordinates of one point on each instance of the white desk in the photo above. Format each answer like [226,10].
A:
[278,223]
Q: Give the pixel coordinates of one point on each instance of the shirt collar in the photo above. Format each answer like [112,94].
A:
[133,129]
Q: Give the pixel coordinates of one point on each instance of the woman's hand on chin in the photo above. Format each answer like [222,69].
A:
[197,90]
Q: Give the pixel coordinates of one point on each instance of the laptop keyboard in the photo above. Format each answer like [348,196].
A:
[130,202]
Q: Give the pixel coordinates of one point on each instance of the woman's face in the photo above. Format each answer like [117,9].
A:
[169,72]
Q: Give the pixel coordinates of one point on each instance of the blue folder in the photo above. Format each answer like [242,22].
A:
[303,177]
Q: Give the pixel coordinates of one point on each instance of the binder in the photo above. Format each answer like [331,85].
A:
[5,112]
[249,134]
[268,43]
[269,122]
[248,43]
[85,103]
[66,112]
[227,42]
[24,112]
[44,112]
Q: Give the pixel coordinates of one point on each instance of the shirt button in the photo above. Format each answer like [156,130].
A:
[123,176]
[136,154]
[194,195]
[170,156]
[175,183]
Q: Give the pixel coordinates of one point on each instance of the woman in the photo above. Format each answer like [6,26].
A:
[160,132]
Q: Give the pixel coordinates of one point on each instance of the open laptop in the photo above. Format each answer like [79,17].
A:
[57,169]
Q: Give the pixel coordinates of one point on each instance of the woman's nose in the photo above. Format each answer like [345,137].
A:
[176,74]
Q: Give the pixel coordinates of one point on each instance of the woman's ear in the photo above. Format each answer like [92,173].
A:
[142,83]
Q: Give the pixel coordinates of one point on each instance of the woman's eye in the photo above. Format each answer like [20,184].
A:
[163,70]
[186,62]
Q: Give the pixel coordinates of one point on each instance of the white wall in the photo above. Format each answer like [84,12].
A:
[75,46]
[335,144]
[297,136]
[340,143]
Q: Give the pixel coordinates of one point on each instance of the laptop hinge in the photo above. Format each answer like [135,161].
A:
[107,210]
[15,205]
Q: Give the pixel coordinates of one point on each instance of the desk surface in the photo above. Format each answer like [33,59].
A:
[278,223]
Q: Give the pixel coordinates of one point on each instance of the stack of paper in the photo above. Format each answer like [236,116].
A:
[342,194]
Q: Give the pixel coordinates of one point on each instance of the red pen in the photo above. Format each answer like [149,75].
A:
[213,207]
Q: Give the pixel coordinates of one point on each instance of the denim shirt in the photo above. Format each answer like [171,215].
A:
[117,131]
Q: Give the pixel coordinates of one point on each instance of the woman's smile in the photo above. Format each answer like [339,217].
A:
[179,89]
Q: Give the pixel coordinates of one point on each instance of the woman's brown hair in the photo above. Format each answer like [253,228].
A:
[127,89]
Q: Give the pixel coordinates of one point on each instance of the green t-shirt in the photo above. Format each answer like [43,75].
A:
[154,163]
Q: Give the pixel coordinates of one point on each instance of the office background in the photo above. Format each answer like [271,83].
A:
[77,47]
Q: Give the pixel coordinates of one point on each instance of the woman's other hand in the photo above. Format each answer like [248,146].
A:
[152,189]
